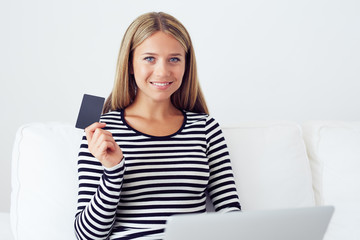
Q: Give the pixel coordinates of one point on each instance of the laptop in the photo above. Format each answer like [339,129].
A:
[285,224]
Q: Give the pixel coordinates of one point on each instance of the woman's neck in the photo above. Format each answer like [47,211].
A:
[151,109]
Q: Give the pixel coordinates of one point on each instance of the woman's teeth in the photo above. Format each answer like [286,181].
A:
[161,84]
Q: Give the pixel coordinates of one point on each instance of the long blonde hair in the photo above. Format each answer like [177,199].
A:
[188,97]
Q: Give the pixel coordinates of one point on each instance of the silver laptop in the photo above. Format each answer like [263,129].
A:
[285,224]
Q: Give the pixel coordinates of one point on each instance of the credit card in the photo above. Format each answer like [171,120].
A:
[90,111]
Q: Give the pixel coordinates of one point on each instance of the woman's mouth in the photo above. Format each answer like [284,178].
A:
[161,84]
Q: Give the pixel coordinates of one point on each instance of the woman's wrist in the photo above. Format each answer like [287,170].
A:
[112,163]
[112,167]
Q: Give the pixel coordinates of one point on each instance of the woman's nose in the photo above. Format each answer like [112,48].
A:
[162,69]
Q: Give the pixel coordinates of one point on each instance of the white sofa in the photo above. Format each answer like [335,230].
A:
[276,165]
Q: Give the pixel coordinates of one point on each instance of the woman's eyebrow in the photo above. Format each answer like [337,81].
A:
[155,54]
[149,53]
[176,54]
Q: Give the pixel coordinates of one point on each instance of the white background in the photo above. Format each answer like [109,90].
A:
[257,60]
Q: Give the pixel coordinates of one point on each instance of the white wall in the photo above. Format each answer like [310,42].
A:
[258,60]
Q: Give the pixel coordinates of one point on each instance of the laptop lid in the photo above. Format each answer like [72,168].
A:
[295,224]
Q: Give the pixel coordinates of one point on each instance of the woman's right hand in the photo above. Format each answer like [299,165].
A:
[102,145]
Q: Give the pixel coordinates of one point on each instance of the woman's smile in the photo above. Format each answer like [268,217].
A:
[161,85]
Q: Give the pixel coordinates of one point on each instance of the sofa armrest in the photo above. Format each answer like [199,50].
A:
[334,152]
[5,230]
[44,181]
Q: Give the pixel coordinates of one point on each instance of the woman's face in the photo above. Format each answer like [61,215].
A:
[158,67]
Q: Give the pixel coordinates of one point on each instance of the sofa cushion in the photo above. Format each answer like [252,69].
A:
[270,165]
[44,181]
[334,152]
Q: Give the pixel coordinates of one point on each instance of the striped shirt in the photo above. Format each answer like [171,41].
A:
[158,177]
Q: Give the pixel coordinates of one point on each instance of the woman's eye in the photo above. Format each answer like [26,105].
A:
[149,59]
[174,59]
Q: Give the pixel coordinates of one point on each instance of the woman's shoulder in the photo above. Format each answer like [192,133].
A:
[195,115]
[203,117]
[114,115]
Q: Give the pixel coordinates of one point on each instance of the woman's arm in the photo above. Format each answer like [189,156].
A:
[99,193]
[222,189]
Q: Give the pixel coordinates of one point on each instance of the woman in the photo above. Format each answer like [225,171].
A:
[155,151]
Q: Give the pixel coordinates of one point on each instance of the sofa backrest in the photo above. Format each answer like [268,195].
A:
[269,161]
[270,164]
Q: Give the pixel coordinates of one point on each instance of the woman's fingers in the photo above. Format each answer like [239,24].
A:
[105,147]
[100,133]
[102,145]
[108,152]
[92,128]
[101,136]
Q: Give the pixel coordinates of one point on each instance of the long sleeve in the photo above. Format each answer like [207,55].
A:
[98,196]
[222,189]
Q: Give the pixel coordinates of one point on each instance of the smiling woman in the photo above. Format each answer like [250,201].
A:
[189,96]
[158,68]
[156,151]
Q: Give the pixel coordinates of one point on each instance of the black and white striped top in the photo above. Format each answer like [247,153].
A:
[158,177]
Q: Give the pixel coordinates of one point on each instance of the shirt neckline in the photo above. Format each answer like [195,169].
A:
[122,115]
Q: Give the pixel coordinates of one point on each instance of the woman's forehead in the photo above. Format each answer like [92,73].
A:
[160,43]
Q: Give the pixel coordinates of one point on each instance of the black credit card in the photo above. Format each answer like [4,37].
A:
[90,111]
